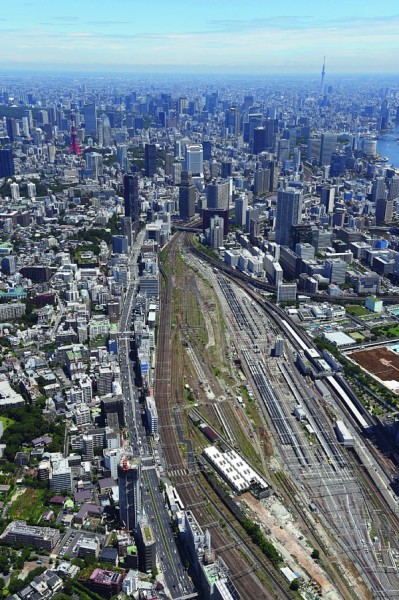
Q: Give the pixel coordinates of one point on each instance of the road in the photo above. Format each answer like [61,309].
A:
[170,563]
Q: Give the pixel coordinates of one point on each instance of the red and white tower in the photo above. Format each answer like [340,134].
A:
[74,145]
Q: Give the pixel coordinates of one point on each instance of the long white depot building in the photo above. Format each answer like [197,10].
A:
[234,469]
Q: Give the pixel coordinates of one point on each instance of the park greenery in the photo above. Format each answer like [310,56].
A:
[28,424]
[90,239]
[388,331]
[356,310]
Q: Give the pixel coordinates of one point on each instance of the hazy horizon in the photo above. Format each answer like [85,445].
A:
[256,37]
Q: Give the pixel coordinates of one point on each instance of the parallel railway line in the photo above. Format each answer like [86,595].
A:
[247,585]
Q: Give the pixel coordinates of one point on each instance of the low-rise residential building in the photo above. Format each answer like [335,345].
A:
[18,532]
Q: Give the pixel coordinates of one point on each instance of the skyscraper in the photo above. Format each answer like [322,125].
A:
[327,148]
[218,194]
[6,163]
[187,197]
[12,128]
[126,229]
[90,117]
[378,190]
[131,196]
[233,120]
[327,198]
[216,231]
[194,159]
[393,187]
[207,150]
[121,156]
[259,144]
[383,210]
[289,212]
[14,188]
[261,181]
[94,163]
[147,545]
[240,210]
[129,474]
[106,128]
[150,160]
[283,150]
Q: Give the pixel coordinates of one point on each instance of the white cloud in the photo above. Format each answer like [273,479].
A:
[350,44]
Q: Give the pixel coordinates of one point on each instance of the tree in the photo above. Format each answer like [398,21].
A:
[315,554]
[4,564]
[295,584]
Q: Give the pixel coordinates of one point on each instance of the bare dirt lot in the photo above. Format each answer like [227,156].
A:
[381,362]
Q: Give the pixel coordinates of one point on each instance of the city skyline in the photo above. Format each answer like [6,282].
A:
[228,37]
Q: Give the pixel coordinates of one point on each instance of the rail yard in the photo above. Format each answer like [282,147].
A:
[215,361]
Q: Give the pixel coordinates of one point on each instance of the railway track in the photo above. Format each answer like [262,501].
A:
[299,339]
[246,583]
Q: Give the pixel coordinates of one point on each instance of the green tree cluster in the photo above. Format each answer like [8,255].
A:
[15,584]
[29,423]
[258,538]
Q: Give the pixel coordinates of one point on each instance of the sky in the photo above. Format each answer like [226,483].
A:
[200,36]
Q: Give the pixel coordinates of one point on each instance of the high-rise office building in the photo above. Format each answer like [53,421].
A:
[94,164]
[393,187]
[6,163]
[131,196]
[335,270]
[337,164]
[129,475]
[226,168]
[283,150]
[126,229]
[216,232]
[120,244]
[121,156]
[106,130]
[384,210]
[187,196]
[12,128]
[176,173]
[254,120]
[289,212]
[207,150]
[218,192]
[9,264]
[146,545]
[150,158]
[271,128]
[233,120]
[31,187]
[194,159]
[327,147]
[327,198]
[14,188]
[259,144]
[240,210]
[169,160]
[261,181]
[378,189]
[90,118]
[314,148]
